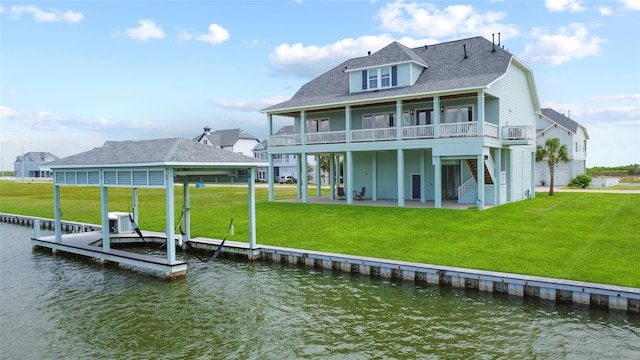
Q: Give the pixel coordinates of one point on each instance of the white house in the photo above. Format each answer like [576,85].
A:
[454,120]
[34,164]
[234,140]
[552,124]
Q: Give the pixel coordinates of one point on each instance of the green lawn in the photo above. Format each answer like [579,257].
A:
[580,236]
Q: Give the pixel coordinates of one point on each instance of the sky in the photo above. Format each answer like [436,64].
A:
[76,74]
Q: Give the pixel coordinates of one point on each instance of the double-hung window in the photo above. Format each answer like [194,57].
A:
[380,78]
[317,125]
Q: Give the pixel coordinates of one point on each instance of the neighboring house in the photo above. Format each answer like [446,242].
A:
[287,164]
[234,140]
[34,164]
[454,120]
[550,125]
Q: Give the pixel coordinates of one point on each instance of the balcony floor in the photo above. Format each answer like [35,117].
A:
[446,203]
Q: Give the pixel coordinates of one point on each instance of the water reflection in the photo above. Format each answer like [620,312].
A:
[61,307]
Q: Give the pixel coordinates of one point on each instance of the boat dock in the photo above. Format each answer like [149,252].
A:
[613,297]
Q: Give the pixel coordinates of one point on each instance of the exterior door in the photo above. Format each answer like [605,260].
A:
[450,181]
[415,186]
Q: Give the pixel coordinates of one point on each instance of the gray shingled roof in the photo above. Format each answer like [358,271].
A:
[225,138]
[561,120]
[158,151]
[447,70]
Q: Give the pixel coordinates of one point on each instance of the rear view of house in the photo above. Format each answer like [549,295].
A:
[452,121]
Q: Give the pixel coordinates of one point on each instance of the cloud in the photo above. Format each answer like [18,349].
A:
[564,5]
[248,104]
[308,61]
[41,120]
[54,15]
[454,21]
[147,30]
[8,91]
[631,4]
[568,43]
[216,35]
[605,11]
[615,98]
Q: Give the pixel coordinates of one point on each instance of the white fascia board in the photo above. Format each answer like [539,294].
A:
[385,65]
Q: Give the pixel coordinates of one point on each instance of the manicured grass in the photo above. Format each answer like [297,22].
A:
[580,236]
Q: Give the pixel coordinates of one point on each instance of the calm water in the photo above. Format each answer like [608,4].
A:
[55,307]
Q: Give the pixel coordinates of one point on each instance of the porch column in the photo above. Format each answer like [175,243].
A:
[252,210]
[480,175]
[104,203]
[349,178]
[304,178]
[374,177]
[270,171]
[347,123]
[533,174]
[299,182]
[480,113]
[134,204]
[332,176]
[398,119]
[437,181]
[400,177]
[270,175]
[498,186]
[186,212]
[303,127]
[169,217]
[423,177]
[318,176]
[436,116]
[57,215]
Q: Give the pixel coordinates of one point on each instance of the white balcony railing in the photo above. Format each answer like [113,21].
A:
[326,137]
[373,134]
[286,140]
[418,132]
[459,129]
[518,133]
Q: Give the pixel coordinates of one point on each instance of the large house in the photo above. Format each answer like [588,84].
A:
[34,164]
[451,121]
[574,136]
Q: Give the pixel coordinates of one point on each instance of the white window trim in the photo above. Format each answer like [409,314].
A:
[379,79]
[459,108]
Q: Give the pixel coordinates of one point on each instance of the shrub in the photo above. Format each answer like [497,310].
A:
[580,181]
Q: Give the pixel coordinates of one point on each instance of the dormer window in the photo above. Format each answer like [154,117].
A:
[380,78]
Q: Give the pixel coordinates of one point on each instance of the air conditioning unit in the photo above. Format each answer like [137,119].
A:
[119,222]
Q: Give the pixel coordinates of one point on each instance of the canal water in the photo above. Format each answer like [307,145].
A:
[63,307]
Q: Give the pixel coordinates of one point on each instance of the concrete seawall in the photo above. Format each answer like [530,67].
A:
[618,298]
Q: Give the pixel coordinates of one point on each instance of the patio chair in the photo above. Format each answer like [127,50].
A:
[359,195]
[341,194]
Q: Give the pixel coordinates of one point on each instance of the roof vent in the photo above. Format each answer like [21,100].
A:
[369,53]
[465,51]
[493,41]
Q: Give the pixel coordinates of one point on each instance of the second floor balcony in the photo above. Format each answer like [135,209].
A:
[513,135]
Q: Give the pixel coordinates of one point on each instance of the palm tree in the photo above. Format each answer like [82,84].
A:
[554,153]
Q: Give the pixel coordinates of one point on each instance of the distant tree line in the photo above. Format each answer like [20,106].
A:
[633,169]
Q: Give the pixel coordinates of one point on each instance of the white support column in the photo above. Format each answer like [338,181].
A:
[57,215]
[270,170]
[303,127]
[348,191]
[436,116]
[252,212]
[498,186]
[533,174]
[299,182]
[104,202]
[374,177]
[480,177]
[318,176]
[304,178]
[437,182]
[186,211]
[332,176]
[398,120]
[400,177]
[134,204]
[347,122]
[480,113]
[423,177]
[169,214]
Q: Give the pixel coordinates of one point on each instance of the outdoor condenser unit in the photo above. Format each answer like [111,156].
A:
[119,222]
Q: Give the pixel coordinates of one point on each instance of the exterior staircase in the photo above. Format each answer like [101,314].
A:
[473,165]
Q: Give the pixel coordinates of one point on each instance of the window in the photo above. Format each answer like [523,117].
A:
[424,117]
[317,125]
[380,78]
[378,121]
[458,114]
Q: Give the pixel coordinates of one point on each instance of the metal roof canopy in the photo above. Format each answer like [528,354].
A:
[159,163]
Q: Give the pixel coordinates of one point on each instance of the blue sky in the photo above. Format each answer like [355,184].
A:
[75,74]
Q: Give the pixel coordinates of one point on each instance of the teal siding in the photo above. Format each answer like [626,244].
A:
[516,103]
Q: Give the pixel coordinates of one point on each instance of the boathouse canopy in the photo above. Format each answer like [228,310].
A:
[158,163]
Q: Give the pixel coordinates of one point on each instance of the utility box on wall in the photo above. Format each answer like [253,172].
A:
[119,222]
